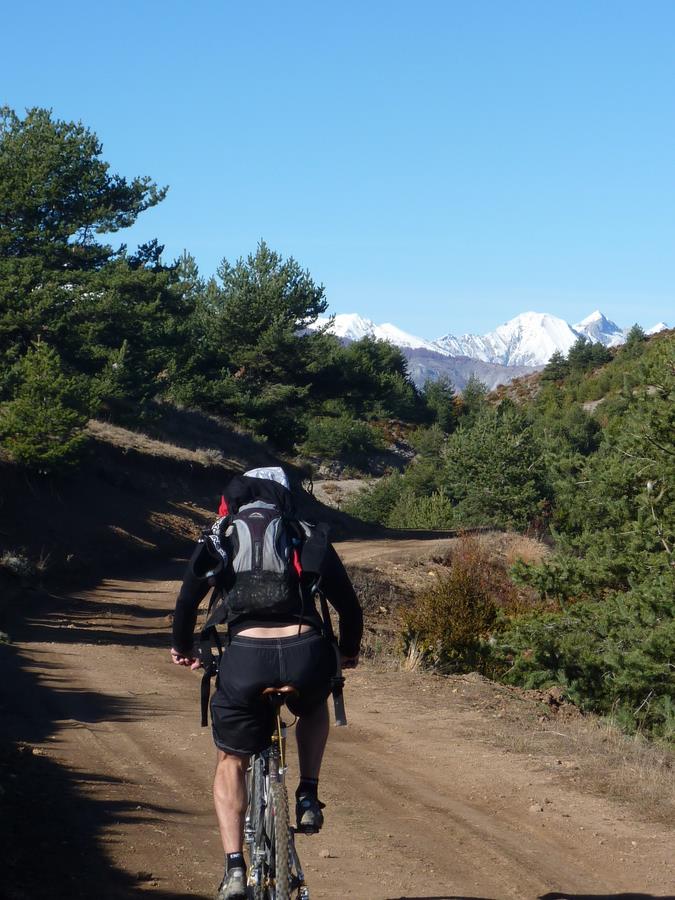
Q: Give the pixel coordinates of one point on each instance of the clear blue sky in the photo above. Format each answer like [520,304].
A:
[440,165]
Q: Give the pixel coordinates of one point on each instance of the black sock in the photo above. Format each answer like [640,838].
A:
[308,787]
[234,861]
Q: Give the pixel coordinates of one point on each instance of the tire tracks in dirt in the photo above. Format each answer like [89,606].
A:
[420,806]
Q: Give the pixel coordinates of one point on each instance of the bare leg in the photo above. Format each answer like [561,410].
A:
[229,797]
[312,733]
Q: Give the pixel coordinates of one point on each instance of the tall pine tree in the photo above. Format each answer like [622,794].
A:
[60,281]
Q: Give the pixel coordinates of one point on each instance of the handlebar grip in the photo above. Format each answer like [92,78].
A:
[338,700]
[340,715]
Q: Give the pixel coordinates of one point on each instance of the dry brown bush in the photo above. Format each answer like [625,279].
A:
[452,619]
[524,548]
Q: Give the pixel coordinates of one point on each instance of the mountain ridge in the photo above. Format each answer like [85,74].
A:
[529,339]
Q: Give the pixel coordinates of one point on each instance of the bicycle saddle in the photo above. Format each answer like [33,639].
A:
[286,689]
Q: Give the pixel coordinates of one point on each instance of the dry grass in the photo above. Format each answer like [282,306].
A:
[520,547]
[598,757]
[413,661]
[509,546]
[141,443]
[503,547]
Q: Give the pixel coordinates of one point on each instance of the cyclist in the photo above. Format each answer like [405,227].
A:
[264,650]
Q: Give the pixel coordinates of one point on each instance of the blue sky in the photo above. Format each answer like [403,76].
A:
[440,165]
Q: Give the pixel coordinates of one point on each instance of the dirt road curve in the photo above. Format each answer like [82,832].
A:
[419,807]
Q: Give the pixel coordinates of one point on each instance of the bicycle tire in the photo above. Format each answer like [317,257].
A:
[256,801]
[280,838]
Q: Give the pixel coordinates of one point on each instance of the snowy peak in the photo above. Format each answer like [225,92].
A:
[348,325]
[660,326]
[600,329]
[353,327]
[531,339]
[595,317]
[527,340]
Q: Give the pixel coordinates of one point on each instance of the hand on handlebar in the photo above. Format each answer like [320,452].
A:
[349,662]
[181,660]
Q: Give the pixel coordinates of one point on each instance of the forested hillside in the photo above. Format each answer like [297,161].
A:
[583,455]
[89,328]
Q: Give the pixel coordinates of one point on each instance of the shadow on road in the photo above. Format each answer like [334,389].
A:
[51,832]
[552,896]
[114,617]
[557,895]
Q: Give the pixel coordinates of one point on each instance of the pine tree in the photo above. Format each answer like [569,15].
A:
[439,396]
[473,401]
[635,342]
[494,471]
[556,368]
[42,429]
[60,282]
[374,381]
[249,360]
[585,354]
[636,335]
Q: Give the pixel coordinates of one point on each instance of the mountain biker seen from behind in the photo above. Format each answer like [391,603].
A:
[269,643]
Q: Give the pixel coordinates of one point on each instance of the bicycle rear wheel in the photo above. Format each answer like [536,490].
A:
[279,834]
[256,838]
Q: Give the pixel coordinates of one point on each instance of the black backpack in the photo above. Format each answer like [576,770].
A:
[264,562]
[260,571]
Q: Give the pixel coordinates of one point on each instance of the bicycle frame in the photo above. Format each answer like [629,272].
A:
[267,830]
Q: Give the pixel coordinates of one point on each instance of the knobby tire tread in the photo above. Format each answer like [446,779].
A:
[281,842]
[257,804]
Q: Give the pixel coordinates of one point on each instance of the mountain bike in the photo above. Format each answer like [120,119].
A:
[274,870]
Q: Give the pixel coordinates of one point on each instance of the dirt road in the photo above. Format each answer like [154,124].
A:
[112,798]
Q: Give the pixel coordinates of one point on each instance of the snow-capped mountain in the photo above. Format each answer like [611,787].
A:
[601,330]
[353,327]
[529,339]
[660,326]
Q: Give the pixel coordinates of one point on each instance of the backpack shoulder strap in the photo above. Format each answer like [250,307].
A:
[316,538]
[210,652]
[214,535]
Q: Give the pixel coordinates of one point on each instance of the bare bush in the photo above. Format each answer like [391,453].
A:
[210,456]
[452,619]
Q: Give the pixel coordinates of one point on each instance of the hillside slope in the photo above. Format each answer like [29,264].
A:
[134,496]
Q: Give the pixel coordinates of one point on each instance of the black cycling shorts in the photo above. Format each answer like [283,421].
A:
[242,719]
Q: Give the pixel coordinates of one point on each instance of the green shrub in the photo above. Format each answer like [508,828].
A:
[411,510]
[342,438]
[375,502]
[612,657]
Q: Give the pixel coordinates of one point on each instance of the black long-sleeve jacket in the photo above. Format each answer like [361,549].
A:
[335,584]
